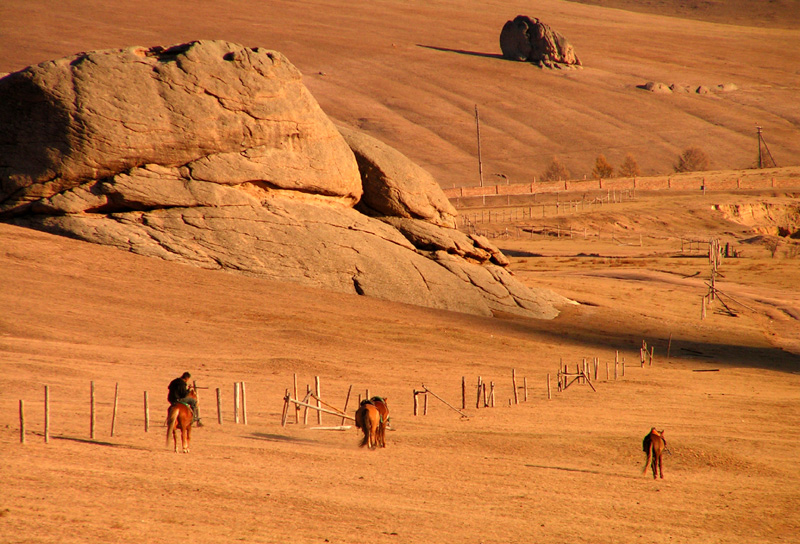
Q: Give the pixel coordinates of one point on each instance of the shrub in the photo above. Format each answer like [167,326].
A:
[602,170]
[556,171]
[629,167]
[693,159]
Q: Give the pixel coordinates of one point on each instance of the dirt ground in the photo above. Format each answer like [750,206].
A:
[725,389]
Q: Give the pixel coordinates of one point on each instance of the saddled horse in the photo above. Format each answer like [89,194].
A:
[383,410]
[654,445]
[180,416]
[368,419]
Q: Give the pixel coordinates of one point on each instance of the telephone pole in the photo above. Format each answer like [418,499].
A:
[761,142]
[478,128]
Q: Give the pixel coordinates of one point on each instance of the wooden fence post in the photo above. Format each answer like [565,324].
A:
[463,393]
[114,413]
[147,412]
[319,403]
[548,387]
[514,384]
[46,414]
[346,401]
[297,406]
[219,406]
[478,401]
[236,402]
[525,389]
[21,421]
[244,403]
[93,415]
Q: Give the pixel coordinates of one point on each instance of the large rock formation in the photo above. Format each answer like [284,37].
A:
[216,155]
[528,39]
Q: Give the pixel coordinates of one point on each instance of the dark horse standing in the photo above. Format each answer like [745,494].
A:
[180,416]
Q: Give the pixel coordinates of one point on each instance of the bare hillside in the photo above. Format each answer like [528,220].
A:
[412,73]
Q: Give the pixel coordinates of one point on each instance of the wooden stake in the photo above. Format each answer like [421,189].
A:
[236,402]
[305,412]
[669,346]
[347,400]
[296,407]
[425,405]
[114,413]
[244,402]
[319,396]
[478,401]
[514,384]
[525,387]
[548,387]
[93,415]
[46,414]
[491,394]
[463,393]
[651,355]
[219,406]
[21,421]
[147,412]
[416,403]
[285,411]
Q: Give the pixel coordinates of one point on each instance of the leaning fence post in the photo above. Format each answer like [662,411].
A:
[114,413]
[514,384]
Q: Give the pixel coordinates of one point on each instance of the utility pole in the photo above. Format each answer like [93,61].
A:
[478,128]
[760,159]
[763,142]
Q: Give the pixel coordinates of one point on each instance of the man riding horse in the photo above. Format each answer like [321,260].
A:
[179,393]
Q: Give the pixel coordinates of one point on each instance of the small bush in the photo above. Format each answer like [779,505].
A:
[693,159]
[602,170]
[629,167]
[556,171]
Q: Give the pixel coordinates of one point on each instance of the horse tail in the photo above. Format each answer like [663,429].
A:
[649,457]
[172,417]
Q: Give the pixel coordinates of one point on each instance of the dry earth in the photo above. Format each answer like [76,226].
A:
[561,470]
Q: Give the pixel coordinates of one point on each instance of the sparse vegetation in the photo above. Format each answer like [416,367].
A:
[602,168]
[629,167]
[693,159]
[557,171]
[772,245]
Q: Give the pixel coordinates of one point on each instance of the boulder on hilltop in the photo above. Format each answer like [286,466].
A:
[528,39]
[216,155]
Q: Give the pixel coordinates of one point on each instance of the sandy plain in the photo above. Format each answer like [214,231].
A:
[567,469]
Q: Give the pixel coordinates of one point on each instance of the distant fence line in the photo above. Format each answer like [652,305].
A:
[559,207]
[644,184]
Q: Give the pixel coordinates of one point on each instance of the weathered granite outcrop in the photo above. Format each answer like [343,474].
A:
[216,155]
[528,39]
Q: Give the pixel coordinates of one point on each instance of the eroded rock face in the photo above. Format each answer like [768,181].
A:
[226,113]
[395,186]
[215,155]
[528,39]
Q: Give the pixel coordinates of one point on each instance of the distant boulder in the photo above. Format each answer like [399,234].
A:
[656,87]
[529,39]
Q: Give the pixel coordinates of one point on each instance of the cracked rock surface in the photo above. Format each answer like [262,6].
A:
[215,155]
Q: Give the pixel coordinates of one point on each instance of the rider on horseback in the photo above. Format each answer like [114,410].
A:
[179,392]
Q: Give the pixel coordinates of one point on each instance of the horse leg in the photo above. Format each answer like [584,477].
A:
[175,437]
[188,438]
[660,467]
